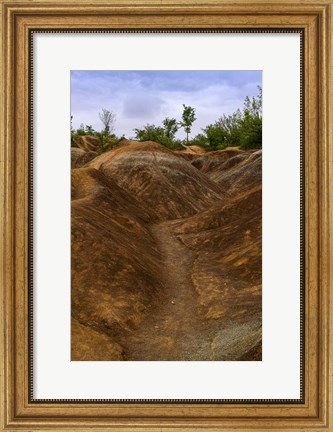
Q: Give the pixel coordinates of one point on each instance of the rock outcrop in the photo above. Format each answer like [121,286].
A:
[166,255]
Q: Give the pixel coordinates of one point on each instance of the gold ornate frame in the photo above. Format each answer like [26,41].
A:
[314,412]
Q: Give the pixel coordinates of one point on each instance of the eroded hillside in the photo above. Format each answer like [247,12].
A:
[166,254]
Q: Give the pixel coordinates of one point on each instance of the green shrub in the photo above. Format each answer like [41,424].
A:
[158,134]
[241,129]
[89,130]
[107,142]
[81,130]
[200,140]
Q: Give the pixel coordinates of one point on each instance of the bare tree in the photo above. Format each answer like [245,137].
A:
[108,118]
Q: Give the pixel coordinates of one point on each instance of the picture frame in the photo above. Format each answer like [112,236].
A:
[313,411]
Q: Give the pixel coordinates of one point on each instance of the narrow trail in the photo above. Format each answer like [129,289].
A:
[175,331]
[173,328]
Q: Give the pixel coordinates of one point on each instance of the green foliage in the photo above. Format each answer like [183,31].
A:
[216,137]
[231,127]
[188,118]
[225,132]
[200,140]
[241,129]
[251,137]
[149,133]
[106,141]
[170,127]
[89,130]
[81,130]
[156,133]
[251,123]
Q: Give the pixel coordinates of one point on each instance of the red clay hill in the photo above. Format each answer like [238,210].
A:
[166,254]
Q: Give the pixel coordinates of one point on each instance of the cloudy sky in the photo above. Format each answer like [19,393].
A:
[141,97]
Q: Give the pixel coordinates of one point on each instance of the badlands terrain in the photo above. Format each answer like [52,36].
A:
[166,253]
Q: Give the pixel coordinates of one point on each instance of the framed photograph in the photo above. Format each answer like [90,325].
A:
[166,216]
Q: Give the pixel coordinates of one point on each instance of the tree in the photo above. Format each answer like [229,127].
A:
[188,118]
[225,132]
[108,118]
[241,129]
[216,136]
[149,133]
[230,125]
[201,140]
[251,123]
[81,130]
[89,130]
[170,127]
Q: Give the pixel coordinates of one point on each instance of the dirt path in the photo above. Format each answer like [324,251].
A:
[174,331]
[174,328]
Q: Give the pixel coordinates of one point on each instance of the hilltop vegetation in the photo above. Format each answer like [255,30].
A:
[241,129]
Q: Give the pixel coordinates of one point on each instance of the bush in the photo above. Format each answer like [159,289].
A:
[251,124]
[157,134]
[107,142]
[241,129]
[251,134]
[81,130]
[89,130]
[200,140]
[216,137]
